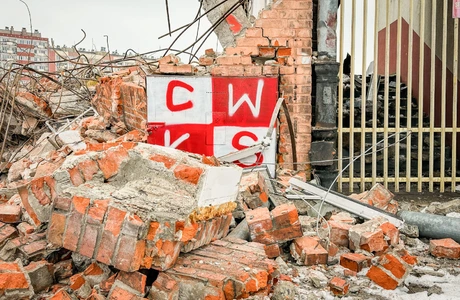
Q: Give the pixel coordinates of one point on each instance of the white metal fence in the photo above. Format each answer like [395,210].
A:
[410,102]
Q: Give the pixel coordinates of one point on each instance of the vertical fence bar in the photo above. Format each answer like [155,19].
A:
[398,97]
[409,96]
[375,90]
[443,96]
[352,95]
[386,96]
[432,91]
[340,115]
[363,99]
[420,95]
[454,107]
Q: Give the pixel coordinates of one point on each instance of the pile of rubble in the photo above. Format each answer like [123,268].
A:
[126,220]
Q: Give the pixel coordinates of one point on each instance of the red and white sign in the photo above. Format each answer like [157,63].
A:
[456,9]
[212,115]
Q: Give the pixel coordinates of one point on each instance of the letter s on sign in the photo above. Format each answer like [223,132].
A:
[169,96]
[236,144]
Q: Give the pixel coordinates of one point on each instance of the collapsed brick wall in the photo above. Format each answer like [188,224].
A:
[279,44]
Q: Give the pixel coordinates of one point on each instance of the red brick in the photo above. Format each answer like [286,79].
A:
[77,281]
[338,232]
[253,32]
[167,161]
[25,228]
[381,278]
[188,174]
[166,283]
[111,161]
[391,232]
[7,232]
[89,240]
[206,61]
[12,281]
[34,248]
[272,251]
[271,70]
[135,280]
[10,213]
[250,42]
[373,241]
[73,231]
[287,70]
[130,254]
[75,176]
[285,215]
[56,229]
[447,248]
[339,286]
[349,273]
[267,52]
[152,230]
[283,52]
[343,218]
[117,293]
[393,264]
[88,169]
[379,196]
[309,251]
[80,204]
[259,220]
[38,188]
[97,211]
[106,285]
[93,270]
[355,261]
[169,59]
[9,267]
[63,203]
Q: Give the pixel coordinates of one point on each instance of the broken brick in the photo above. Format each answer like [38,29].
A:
[308,251]
[10,213]
[272,250]
[135,280]
[280,225]
[355,261]
[14,281]
[446,248]
[339,286]
[338,232]
[379,196]
[40,274]
[390,271]
[368,236]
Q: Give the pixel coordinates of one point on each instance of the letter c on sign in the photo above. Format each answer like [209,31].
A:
[169,96]
[236,144]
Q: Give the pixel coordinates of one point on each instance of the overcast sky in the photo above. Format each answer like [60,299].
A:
[135,24]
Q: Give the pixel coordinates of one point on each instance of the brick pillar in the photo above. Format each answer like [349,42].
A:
[280,44]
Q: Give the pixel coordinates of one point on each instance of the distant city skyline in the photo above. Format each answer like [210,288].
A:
[133,24]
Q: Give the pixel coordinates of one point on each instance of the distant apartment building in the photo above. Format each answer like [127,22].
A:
[25,47]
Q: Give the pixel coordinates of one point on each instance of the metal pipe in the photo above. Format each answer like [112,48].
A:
[433,226]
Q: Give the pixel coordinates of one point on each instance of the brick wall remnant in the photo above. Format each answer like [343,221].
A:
[278,44]
[138,205]
[225,269]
